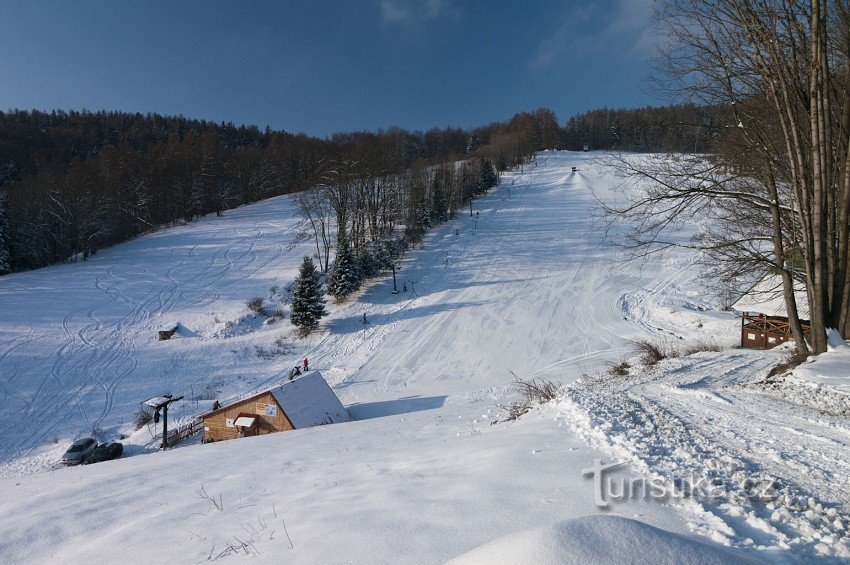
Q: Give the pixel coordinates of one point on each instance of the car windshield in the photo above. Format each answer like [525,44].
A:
[79,446]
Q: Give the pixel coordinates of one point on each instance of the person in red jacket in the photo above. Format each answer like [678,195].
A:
[306,365]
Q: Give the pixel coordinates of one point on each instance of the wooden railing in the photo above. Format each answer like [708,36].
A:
[182,432]
[764,332]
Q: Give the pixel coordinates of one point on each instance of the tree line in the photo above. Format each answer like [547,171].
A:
[679,128]
[74,182]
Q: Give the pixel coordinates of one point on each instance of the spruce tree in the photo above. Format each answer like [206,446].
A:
[308,306]
[5,252]
[488,177]
[440,211]
[345,277]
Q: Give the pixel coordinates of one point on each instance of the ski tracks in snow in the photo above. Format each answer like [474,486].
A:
[95,349]
[783,469]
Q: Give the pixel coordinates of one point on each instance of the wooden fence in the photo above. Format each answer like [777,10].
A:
[182,432]
[765,332]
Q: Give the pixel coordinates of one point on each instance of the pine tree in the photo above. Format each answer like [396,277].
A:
[488,177]
[440,211]
[308,306]
[5,252]
[345,277]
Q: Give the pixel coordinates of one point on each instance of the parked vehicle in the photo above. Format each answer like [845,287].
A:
[79,450]
[105,452]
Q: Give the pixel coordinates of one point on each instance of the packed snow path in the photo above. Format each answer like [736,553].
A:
[523,287]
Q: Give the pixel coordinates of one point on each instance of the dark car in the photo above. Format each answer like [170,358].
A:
[79,450]
[105,452]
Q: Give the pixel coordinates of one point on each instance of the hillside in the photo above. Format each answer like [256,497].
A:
[524,287]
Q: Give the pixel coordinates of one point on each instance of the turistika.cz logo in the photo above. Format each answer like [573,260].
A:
[609,489]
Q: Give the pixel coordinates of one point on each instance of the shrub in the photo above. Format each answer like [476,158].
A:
[532,392]
[142,418]
[620,370]
[256,306]
[701,346]
[651,353]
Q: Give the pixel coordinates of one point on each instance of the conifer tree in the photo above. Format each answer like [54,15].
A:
[488,177]
[440,211]
[5,252]
[345,277]
[308,306]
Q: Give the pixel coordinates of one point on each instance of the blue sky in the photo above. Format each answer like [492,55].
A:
[320,66]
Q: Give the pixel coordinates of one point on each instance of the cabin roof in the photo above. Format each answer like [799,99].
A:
[765,297]
[307,401]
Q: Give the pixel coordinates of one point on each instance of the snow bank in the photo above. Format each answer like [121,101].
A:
[599,539]
[830,369]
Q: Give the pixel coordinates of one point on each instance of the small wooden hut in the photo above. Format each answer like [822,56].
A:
[301,403]
[764,320]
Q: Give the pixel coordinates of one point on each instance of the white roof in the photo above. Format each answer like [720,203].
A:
[244,421]
[309,401]
[156,401]
[765,297]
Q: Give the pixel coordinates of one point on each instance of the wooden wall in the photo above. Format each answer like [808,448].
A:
[270,418]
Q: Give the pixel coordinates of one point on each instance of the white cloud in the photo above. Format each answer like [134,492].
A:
[624,27]
[413,12]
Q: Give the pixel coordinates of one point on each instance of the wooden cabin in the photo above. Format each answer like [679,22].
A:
[764,320]
[304,402]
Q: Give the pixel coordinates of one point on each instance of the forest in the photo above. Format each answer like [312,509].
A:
[75,182]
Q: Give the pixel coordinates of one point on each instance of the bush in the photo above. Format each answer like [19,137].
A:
[701,346]
[651,353]
[142,418]
[256,306]
[621,370]
[532,392]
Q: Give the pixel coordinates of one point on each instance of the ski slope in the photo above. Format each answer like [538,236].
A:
[523,287]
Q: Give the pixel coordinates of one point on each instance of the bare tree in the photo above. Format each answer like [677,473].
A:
[782,164]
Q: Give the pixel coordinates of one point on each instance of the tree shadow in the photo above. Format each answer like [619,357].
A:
[406,405]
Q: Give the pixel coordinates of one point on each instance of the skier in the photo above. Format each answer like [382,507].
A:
[306,365]
[296,371]
[216,405]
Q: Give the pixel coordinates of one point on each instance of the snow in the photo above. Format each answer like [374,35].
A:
[308,401]
[831,369]
[421,473]
[765,297]
[244,421]
[599,539]
[782,467]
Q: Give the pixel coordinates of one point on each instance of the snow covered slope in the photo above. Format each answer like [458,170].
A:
[525,288]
